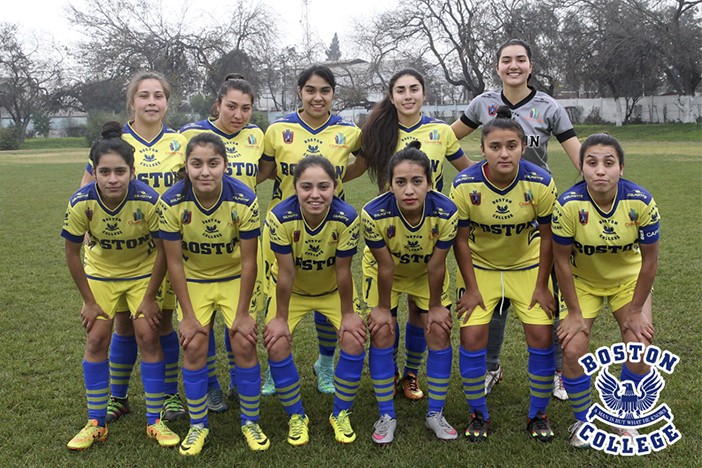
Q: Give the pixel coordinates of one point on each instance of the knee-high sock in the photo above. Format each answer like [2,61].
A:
[287,384]
[579,395]
[347,379]
[248,382]
[380,363]
[123,356]
[153,376]
[326,335]
[438,376]
[171,350]
[230,357]
[415,347]
[97,389]
[195,384]
[212,381]
[542,366]
[626,374]
[473,370]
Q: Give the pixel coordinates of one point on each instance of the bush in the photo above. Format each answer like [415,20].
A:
[9,140]
[96,120]
[259,119]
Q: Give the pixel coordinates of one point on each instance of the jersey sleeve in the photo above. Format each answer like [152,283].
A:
[169,224]
[561,127]
[562,226]
[649,225]
[448,232]
[249,221]
[154,222]
[463,213]
[75,225]
[279,238]
[269,145]
[471,116]
[371,232]
[544,209]
[453,147]
[348,239]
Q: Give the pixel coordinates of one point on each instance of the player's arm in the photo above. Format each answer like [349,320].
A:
[351,322]
[381,314]
[572,149]
[573,323]
[460,129]
[90,310]
[278,327]
[462,162]
[266,169]
[355,168]
[436,272]
[149,306]
[636,319]
[87,178]
[244,323]
[471,297]
[542,294]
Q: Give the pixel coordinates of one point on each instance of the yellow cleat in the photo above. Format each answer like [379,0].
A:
[299,432]
[196,438]
[164,436]
[89,434]
[410,387]
[255,437]
[342,428]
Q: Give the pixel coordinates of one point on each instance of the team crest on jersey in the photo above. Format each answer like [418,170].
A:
[633,215]
[313,147]
[212,229]
[475,198]
[413,243]
[288,136]
[89,214]
[391,231]
[583,216]
[492,109]
[502,208]
[112,228]
[138,215]
[314,247]
[296,236]
[434,232]
[187,217]
[174,145]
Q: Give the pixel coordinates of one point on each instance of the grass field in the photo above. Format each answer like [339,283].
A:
[42,344]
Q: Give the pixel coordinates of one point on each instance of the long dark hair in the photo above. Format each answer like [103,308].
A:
[503,121]
[110,141]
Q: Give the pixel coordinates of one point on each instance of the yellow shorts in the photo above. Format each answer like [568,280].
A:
[591,300]
[118,296]
[328,305]
[515,285]
[166,297]
[208,297]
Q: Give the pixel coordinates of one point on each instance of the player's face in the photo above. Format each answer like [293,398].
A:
[205,169]
[150,103]
[502,148]
[601,170]
[234,111]
[408,97]
[315,191]
[514,66]
[410,185]
[112,175]
[316,97]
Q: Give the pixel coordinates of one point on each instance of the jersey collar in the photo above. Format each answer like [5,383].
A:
[412,127]
[130,191]
[215,129]
[313,131]
[129,129]
[520,103]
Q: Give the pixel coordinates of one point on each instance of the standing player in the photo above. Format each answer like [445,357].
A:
[244,142]
[159,156]
[408,233]
[210,226]
[394,122]
[502,254]
[314,235]
[311,131]
[124,266]
[541,117]
[606,240]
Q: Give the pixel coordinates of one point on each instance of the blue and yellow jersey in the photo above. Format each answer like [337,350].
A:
[314,250]
[210,237]
[410,246]
[504,234]
[121,240]
[289,139]
[156,162]
[606,245]
[244,148]
[438,141]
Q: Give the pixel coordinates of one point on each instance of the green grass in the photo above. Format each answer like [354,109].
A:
[42,344]
[53,143]
[646,132]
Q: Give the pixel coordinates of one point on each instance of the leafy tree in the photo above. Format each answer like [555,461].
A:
[42,124]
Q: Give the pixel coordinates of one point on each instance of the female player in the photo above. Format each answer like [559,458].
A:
[159,157]
[394,122]
[540,116]
[124,267]
[606,233]
[501,254]
[210,226]
[244,143]
[314,235]
[311,131]
[408,233]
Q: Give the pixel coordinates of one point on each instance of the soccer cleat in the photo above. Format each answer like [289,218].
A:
[232,393]
[215,400]
[89,434]
[173,409]
[162,434]
[437,424]
[575,439]
[298,433]
[492,378]
[268,384]
[559,390]
[477,430]
[255,437]
[410,386]
[194,441]
[325,377]
[384,430]
[342,427]
[116,408]
[630,432]
[539,428]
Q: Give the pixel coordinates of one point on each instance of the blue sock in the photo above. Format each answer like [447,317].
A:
[347,379]
[195,384]
[326,335]
[171,352]
[212,381]
[396,347]
[473,370]
[123,356]
[415,347]
[97,389]
[579,395]
[626,374]
[230,358]
[248,381]
[152,377]
[380,363]
[438,375]
[287,384]
[542,366]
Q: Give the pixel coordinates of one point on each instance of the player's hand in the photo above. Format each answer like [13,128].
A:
[545,299]
[151,312]
[570,326]
[639,325]
[378,317]
[188,328]
[89,313]
[275,330]
[247,326]
[86,240]
[467,303]
[355,325]
[440,316]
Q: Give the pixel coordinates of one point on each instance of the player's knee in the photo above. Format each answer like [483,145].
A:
[351,344]
[280,350]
